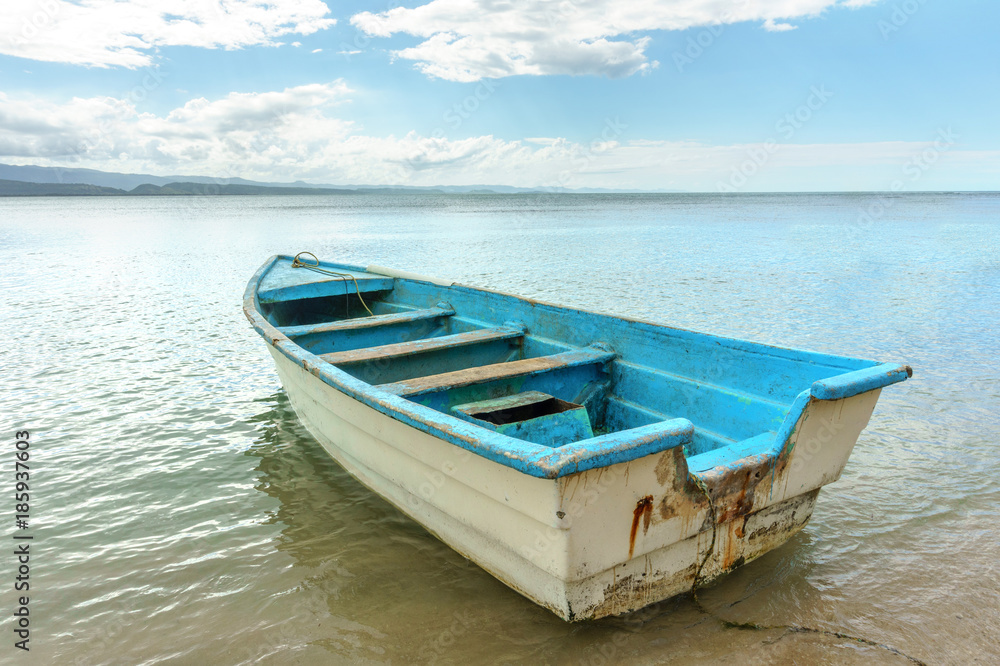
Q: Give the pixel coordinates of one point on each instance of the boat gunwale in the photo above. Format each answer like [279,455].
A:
[542,461]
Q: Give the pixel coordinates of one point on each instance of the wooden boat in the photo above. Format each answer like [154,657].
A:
[593,463]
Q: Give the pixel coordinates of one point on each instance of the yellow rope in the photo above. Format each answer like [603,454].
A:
[297,263]
[753,626]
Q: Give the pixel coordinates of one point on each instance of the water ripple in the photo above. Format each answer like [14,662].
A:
[184,515]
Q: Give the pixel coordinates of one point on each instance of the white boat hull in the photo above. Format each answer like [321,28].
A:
[594,543]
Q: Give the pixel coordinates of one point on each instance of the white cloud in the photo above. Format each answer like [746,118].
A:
[105,33]
[296,134]
[252,128]
[466,40]
[771,26]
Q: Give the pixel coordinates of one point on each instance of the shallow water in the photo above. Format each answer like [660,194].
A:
[181,514]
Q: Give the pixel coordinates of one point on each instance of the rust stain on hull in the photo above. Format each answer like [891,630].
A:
[643,511]
[749,537]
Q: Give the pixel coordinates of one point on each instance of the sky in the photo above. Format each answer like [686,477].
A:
[660,95]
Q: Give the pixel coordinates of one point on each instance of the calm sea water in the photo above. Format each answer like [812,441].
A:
[182,515]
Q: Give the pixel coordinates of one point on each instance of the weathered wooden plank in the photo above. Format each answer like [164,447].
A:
[426,345]
[367,322]
[497,371]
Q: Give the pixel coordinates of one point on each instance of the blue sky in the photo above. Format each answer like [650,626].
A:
[697,95]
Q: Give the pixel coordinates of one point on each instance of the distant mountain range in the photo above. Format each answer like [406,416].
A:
[19,188]
[48,181]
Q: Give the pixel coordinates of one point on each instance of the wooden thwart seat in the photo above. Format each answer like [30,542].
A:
[497,371]
[367,322]
[400,349]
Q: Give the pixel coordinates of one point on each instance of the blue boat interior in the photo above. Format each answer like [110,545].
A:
[544,373]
